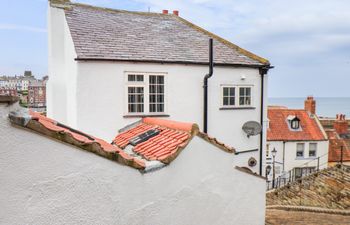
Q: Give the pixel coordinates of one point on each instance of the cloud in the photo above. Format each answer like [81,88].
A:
[21,28]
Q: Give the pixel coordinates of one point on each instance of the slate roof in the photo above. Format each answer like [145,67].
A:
[279,130]
[149,155]
[108,34]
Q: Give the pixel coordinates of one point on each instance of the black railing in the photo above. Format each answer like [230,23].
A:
[298,172]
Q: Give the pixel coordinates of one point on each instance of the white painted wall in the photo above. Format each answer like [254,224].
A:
[91,96]
[290,159]
[47,182]
[61,86]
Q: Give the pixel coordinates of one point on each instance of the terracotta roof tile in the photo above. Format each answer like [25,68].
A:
[151,154]
[217,143]
[172,138]
[52,128]
[279,130]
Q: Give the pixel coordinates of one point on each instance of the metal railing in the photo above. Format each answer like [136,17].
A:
[297,172]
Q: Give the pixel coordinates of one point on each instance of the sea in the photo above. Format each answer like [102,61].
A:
[325,106]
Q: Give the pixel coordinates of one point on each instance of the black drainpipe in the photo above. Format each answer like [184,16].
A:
[207,76]
[262,71]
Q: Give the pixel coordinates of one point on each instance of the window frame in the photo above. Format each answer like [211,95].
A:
[296,153]
[237,96]
[146,92]
[315,144]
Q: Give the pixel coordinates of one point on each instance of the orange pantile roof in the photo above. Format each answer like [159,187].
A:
[147,155]
[54,129]
[279,130]
[172,138]
[335,144]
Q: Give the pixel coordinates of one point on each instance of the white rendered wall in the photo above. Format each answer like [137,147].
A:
[101,100]
[47,182]
[61,86]
[290,159]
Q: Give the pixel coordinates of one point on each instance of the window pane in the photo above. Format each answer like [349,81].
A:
[152,80]
[160,80]
[232,101]
[160,89]
[225,91]
[241,91]
[152,108]
[226,99]
[139,77]
[131,90]
[152,98]
[131,77]
[248,91]
[232,91]
[160,107]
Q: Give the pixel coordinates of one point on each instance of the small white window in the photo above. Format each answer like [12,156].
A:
[300,150]
[245,97]
[236,96]
[229,96]
[312,149]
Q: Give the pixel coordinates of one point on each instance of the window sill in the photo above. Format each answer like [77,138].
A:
[145,115]
[235,108]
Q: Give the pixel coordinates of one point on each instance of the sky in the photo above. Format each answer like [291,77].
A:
[308,42]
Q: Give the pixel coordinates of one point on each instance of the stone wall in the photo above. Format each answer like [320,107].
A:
[329,188]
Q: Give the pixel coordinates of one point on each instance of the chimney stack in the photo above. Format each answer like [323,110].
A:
[310,105]
[165,11]
[341,124]
[176,12]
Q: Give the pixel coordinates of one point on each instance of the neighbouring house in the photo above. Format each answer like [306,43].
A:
[299,139]
[109,68]
[4,91]
[49,175]
[19,83]
[37,94]
[339,139]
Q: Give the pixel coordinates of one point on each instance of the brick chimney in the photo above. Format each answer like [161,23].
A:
[341,124]
[176,12]
[310,105]
[165,11]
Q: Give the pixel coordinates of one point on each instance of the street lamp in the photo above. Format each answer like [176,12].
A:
[273,163]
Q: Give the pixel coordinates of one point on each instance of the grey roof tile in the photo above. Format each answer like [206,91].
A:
[100,33]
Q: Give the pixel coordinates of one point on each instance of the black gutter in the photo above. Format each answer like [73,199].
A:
[255,66]
[262,71]
[206,77]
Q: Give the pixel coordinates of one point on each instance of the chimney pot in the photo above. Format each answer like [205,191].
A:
[310,105]
[176,12]
[165,11]
[341,124]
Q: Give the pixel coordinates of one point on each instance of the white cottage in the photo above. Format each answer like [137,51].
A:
[109,68]
[49,175]
[298,139]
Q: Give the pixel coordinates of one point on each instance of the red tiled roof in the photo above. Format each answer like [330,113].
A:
[279,130]
[172,138]
[335,143]
[52,128]
[151,154]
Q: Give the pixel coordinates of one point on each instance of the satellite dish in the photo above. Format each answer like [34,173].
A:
[252,128]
